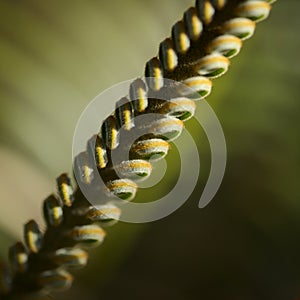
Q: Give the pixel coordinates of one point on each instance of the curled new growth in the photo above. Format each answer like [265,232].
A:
[198,50]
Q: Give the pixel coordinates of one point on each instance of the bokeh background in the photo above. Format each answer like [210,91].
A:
[55,56]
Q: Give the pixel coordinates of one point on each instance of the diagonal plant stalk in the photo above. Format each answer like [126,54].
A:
[198,50]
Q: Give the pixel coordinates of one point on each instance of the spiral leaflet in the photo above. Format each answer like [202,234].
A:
[186,56]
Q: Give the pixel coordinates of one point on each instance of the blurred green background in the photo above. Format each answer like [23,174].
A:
[55,56]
